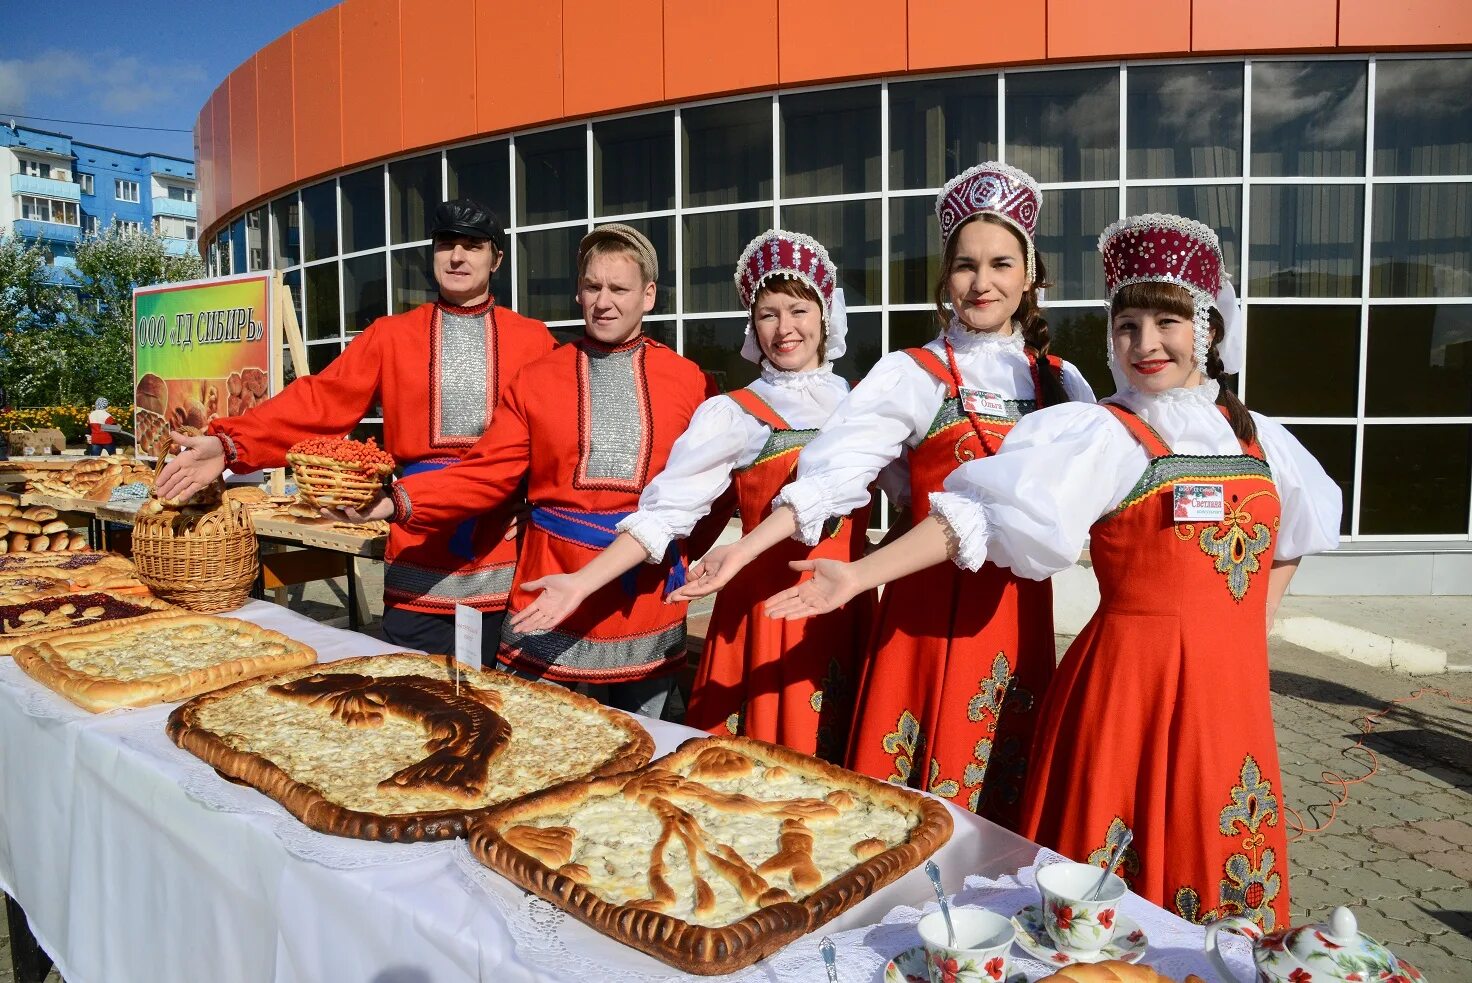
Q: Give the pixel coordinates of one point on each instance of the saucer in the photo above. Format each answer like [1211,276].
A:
[1129,942]
[909,967]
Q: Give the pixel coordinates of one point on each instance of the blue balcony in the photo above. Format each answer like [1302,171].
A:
[61,272]
[50,231]
[24,184]
[177,247]
[174,208]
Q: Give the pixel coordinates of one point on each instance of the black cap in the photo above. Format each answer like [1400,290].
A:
[468,217]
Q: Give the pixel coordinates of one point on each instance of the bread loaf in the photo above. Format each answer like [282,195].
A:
[41,513]
[55,525]
[28,526]
[19,542]
[40,544]
[1112,971]
[77,541]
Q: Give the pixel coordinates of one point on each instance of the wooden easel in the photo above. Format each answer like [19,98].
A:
[292,331]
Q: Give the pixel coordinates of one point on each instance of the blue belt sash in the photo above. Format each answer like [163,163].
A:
[598,530]
[462,540]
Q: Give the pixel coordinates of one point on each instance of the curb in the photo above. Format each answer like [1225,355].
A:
[1358,645]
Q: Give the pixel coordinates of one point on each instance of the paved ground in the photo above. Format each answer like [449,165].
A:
[1399,850]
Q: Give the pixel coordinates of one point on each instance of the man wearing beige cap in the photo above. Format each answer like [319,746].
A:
[586,427]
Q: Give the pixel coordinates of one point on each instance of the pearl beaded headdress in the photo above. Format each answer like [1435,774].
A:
[776,253]
[1007,192]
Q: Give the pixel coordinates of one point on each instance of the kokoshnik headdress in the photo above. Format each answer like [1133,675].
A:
[1010,194]
[792,255]
[1157,248]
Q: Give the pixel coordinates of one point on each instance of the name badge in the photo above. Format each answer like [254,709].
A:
[981,401]
[1195,502]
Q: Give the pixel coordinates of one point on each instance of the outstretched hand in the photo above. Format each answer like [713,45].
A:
[714,571]
[831,586]
[199,461]
[561,593]
[380,509]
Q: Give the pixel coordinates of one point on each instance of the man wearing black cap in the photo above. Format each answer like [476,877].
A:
[437,371]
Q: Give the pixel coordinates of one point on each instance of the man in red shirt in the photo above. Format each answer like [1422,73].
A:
[100,428]
[586,428]
[438,372]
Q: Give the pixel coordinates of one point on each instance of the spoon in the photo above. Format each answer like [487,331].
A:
[933,872]
[1114,858]
[830,960]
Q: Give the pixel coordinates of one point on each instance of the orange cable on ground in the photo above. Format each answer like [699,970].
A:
[1330,778]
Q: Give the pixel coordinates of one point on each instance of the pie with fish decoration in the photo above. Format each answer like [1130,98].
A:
[403,747]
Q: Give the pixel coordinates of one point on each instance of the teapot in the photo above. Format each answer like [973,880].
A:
[1319,953]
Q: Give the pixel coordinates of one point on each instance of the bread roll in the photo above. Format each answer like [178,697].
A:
[28,526]
[1111,971]
[40,544]
[8,509]
[77,541]
[4,545]
[10,498]
[60,542]
[55,525]
[19,542]
[41,513]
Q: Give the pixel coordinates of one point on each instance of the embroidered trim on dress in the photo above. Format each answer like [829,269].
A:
[615,425]
[464,369]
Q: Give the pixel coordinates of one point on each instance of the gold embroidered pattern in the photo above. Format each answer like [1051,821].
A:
[1129,862]
[1251,884]
[903,742]
[1234,549]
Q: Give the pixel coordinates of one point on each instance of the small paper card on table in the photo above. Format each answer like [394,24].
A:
[469,626]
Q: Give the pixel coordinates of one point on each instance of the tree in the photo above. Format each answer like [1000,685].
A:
[109,265]
[41,346]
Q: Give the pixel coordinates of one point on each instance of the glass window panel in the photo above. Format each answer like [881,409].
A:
[1219,206]
[1184,121]
[864,344]
[319,221]
[1064,126]
[1421,240]
[1078,336]
[661,233]
[1422,122]
[1308,118]
[1415,480]
[482,171]
[546,273]
[940,127]
[727,153]
[292,279]
[914,251]
[851,232]
[362,210]
[634,164]
[1333,447]
[713,243]
[322,302]
[552,176]
[320,356]
[1303,360]
[664,332]
[1306,240]
[287,230]
[414,193]
[911,329]
[1419,361]
[364,290]
[830,142]
[237,246]
[255,239]
[1069,224]
[715,345]
[363,431]
[413,272]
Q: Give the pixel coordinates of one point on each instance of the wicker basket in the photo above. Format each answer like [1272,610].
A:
[328,483]
[201,560]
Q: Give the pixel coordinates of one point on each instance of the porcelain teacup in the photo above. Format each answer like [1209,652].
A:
[1077,926]
[980,955]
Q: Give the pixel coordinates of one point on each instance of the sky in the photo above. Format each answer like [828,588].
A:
[135,63]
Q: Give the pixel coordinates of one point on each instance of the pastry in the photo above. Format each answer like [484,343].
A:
[339,473]
[714,856]
[1112,971]
[44,616]
[21,588]
[133,664]
[390,748]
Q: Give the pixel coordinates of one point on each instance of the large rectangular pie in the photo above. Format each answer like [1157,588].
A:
[404,747]
[43,616]
[716,855]
[140,663]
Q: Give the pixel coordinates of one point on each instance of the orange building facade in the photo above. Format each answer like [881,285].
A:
[1330,141]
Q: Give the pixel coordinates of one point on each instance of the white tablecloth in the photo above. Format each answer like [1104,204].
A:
[126,876]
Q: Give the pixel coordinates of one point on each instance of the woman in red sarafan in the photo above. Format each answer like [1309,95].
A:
[789,683]
[1158,720]
[948,692]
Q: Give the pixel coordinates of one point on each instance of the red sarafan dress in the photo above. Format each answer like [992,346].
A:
[948,699]
[786,682]
[1159,718]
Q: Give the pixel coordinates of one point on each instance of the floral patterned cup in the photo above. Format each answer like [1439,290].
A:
[1077,926]
[980,955]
